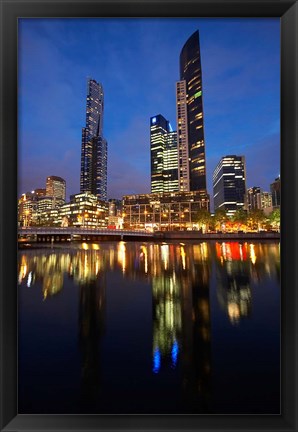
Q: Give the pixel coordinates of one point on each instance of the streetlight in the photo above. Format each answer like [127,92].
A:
[27,212]
[85,217]
[145,213]
[164,215]
[98,212]
[183,216]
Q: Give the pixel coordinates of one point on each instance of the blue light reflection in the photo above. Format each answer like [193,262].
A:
[156,361]
[175,351]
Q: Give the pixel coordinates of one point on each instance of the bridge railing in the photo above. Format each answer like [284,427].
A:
[79,231]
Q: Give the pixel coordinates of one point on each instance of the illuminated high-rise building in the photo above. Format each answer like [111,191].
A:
[164,156]
[55,188]
[190,119]
[229,184]
[93,177]
[275,191]
[258,199]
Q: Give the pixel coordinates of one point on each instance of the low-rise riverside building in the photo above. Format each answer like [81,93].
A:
[164,211]
[85,210]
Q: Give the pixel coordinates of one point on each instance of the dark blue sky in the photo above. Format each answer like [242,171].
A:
[137,61]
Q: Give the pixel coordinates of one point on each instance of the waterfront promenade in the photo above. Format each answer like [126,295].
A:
[69,234]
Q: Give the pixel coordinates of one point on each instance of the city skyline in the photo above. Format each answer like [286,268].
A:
[129,152]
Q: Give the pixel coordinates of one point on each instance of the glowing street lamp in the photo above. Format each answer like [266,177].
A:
[98,214]
[145,213]
[27,212]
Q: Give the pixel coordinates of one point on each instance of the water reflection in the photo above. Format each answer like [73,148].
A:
[167,320]
[91,328]
[180,276]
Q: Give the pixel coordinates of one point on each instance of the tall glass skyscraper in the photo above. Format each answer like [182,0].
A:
[190,119]
[93,177]
[229,184]
[164,156]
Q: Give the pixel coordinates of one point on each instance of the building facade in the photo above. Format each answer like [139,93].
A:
[164,156]
[190,118]
[164,211]
[40,192]
[258,199]
[275,192]
[84,210]
[56,189]
[93,178]
[229,184]
[27,206]
[115,220]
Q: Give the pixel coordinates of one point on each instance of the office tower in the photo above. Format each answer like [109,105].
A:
[275,191]
[253,198]
[164,156]
[93,177]
[258,199]
[115,207]
[266,200]
[27,205]
[40,192]
[229,184]
[55,188]
[190,119]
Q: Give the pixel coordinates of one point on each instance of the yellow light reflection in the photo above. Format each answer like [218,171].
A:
[183,255]
[252,253]
[144,251]
[121,255]
[165,255]
[234,312]
[22,273]
[204,250]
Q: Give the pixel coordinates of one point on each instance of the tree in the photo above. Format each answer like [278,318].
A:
[220,218]
[239,218]
[274,218]
[256,219]
[202,218]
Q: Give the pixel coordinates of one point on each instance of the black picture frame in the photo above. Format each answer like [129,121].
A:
[10,12]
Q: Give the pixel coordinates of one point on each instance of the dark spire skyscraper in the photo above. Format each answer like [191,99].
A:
[93,177]
[190,118]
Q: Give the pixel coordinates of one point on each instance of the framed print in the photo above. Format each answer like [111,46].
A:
[149,215]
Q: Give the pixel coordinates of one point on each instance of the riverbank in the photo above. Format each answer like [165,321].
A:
[158,236]
[196,235]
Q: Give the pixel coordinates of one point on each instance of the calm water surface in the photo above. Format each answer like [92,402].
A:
[150,328]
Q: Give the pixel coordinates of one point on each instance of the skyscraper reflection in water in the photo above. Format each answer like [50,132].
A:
[84,306]
[91,329]
[181,321]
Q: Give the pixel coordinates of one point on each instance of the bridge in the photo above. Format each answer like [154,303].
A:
[62,234]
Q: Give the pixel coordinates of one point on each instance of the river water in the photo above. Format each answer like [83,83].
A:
[150,328]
